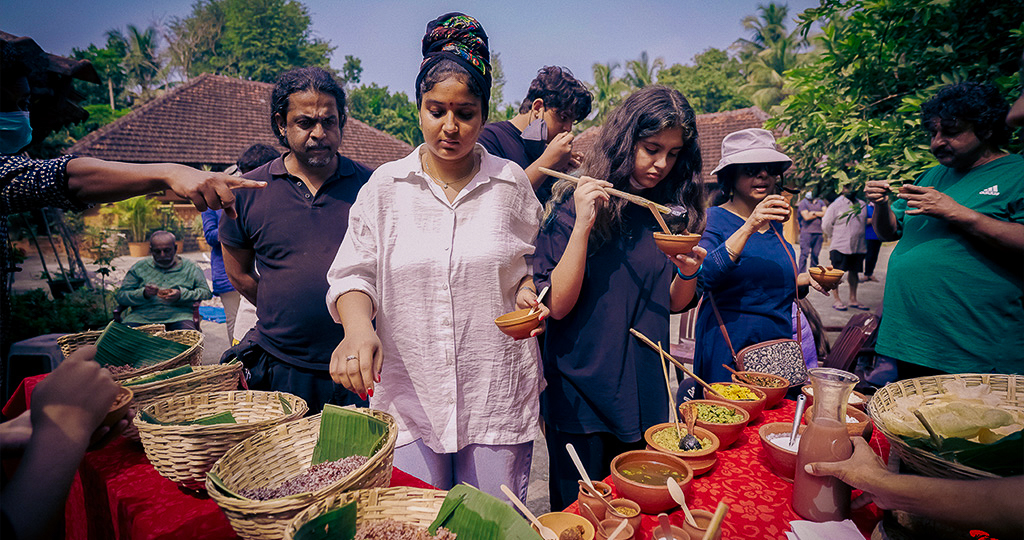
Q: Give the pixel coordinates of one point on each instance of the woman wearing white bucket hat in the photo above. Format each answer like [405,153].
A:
[749,269]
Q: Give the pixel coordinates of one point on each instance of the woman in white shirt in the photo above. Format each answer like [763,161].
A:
[437,248]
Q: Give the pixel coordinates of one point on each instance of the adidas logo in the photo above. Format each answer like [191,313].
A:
[994,190]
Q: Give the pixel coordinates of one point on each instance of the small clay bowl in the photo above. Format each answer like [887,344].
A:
[773,394]
[826,277]
[651,498]
[701,461]
[597,506]
[678,533]
[634,520]
[676,244]
[862,428]
[119,408]
[703,519]
[856,399]
[753,407]
[726,433]
[608,526]
[560,521]
[518,324]
[781,461]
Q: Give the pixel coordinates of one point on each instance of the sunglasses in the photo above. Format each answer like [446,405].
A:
[754,169]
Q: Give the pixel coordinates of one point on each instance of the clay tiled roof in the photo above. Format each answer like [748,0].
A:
[211,120]
[711,129]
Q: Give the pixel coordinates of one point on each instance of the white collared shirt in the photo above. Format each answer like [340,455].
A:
[438,274]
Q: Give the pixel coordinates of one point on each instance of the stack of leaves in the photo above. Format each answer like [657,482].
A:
[159,376]
[120,345]
[345,432]
[223,417]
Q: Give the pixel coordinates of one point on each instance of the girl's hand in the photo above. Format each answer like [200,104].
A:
[772,208]
[527,298]
[589,195]
[689,263]
[356,362]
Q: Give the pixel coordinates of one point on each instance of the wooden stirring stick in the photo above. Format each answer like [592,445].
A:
[716,521]
[635,199]
[661,220]
[741,376]
[668,386]
[678,364]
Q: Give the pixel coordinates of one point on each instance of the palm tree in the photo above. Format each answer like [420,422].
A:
[141,64]
[641,73]
[771,51]
[607,89]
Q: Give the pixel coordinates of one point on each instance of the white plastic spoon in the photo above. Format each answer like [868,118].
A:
[615,532]
[545,532]
[579,466]
[680,498]
[540,297]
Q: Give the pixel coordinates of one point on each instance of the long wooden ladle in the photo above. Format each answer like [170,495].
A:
[635,199]
[678,364]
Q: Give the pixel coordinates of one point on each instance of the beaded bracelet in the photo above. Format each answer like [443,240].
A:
[529,288]
[691,276]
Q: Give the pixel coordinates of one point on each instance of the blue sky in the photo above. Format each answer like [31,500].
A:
[386,35]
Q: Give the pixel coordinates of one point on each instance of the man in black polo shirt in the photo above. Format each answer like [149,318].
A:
[277,252]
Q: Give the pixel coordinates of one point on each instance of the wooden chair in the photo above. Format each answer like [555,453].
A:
[684,350]
[196,317]
[852,341]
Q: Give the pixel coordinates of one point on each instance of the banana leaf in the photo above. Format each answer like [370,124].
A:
[1001,457]
[336,524]
[345,432]
[159,376]
[120,345]
[284,404]
[223,417]
[471,513]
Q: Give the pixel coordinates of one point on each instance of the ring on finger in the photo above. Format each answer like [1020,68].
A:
[351,357]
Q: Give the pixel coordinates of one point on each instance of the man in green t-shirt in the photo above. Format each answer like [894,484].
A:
[954,292]
[162,288]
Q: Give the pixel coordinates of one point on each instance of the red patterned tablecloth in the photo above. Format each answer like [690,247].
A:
[118,494]
[759,501]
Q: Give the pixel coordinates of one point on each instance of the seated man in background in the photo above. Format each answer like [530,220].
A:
[162,288]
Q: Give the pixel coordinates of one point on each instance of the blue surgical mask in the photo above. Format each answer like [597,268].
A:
[808,196]
[15,131]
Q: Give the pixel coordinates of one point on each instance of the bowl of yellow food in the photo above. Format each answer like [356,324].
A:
[741,395]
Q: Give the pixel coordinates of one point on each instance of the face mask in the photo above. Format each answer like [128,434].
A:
[808,196]
[15,131]
[536,131]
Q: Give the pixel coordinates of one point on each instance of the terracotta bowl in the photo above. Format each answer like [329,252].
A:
[518,324]
[675,244]
[634,520]
[119,408]
[753,407]
[651,498]
[726,433]
[773,394]
[560,521]
[826,277]
[678,533]
[856,399]
[703,519]
[701,461]
[781,461]
[608,526]
[862,428]
[596,505]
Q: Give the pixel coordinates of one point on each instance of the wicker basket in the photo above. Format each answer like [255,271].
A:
[183,453]
[280,453]
[415,506]
[1010,388]
[216,378]
[193,355]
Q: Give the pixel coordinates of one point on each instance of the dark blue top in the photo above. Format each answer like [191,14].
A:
[869,231]
[211,221]
[755,296]
[600,378]
[295,236]
[503,139]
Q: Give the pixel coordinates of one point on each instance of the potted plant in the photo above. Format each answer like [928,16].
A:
[61,283]
[137,215]
[172,223]
[197,231]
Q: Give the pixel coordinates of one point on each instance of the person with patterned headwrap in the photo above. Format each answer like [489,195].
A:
[437,248]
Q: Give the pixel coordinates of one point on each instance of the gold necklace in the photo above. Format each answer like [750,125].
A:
[447,185]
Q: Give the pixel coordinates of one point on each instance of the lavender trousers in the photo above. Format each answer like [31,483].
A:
[483,466]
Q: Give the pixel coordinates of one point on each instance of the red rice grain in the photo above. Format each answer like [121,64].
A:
[389,529]
[314,478]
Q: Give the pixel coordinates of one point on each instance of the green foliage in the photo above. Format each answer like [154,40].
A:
[642,72]
[711,85]
[352,71]
[138,215]
[855,114]
[107,61]
[249,39]
[608,91]
[771,51]
[33,313]
[391,113]
[495,110]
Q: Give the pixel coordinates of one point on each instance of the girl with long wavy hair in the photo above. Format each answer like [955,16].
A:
[607,276]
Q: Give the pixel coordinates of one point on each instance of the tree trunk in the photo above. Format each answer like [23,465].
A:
[110,90]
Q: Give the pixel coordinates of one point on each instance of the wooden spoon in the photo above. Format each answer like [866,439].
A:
[671,401]
[545,532]
[635,199]
[661,220]
[716,521]
[741,376]
[689,442]
[680,498]
[665,526]
[678,364]
[597,495]
[617,530]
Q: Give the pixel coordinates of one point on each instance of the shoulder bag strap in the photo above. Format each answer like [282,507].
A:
[721,325]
